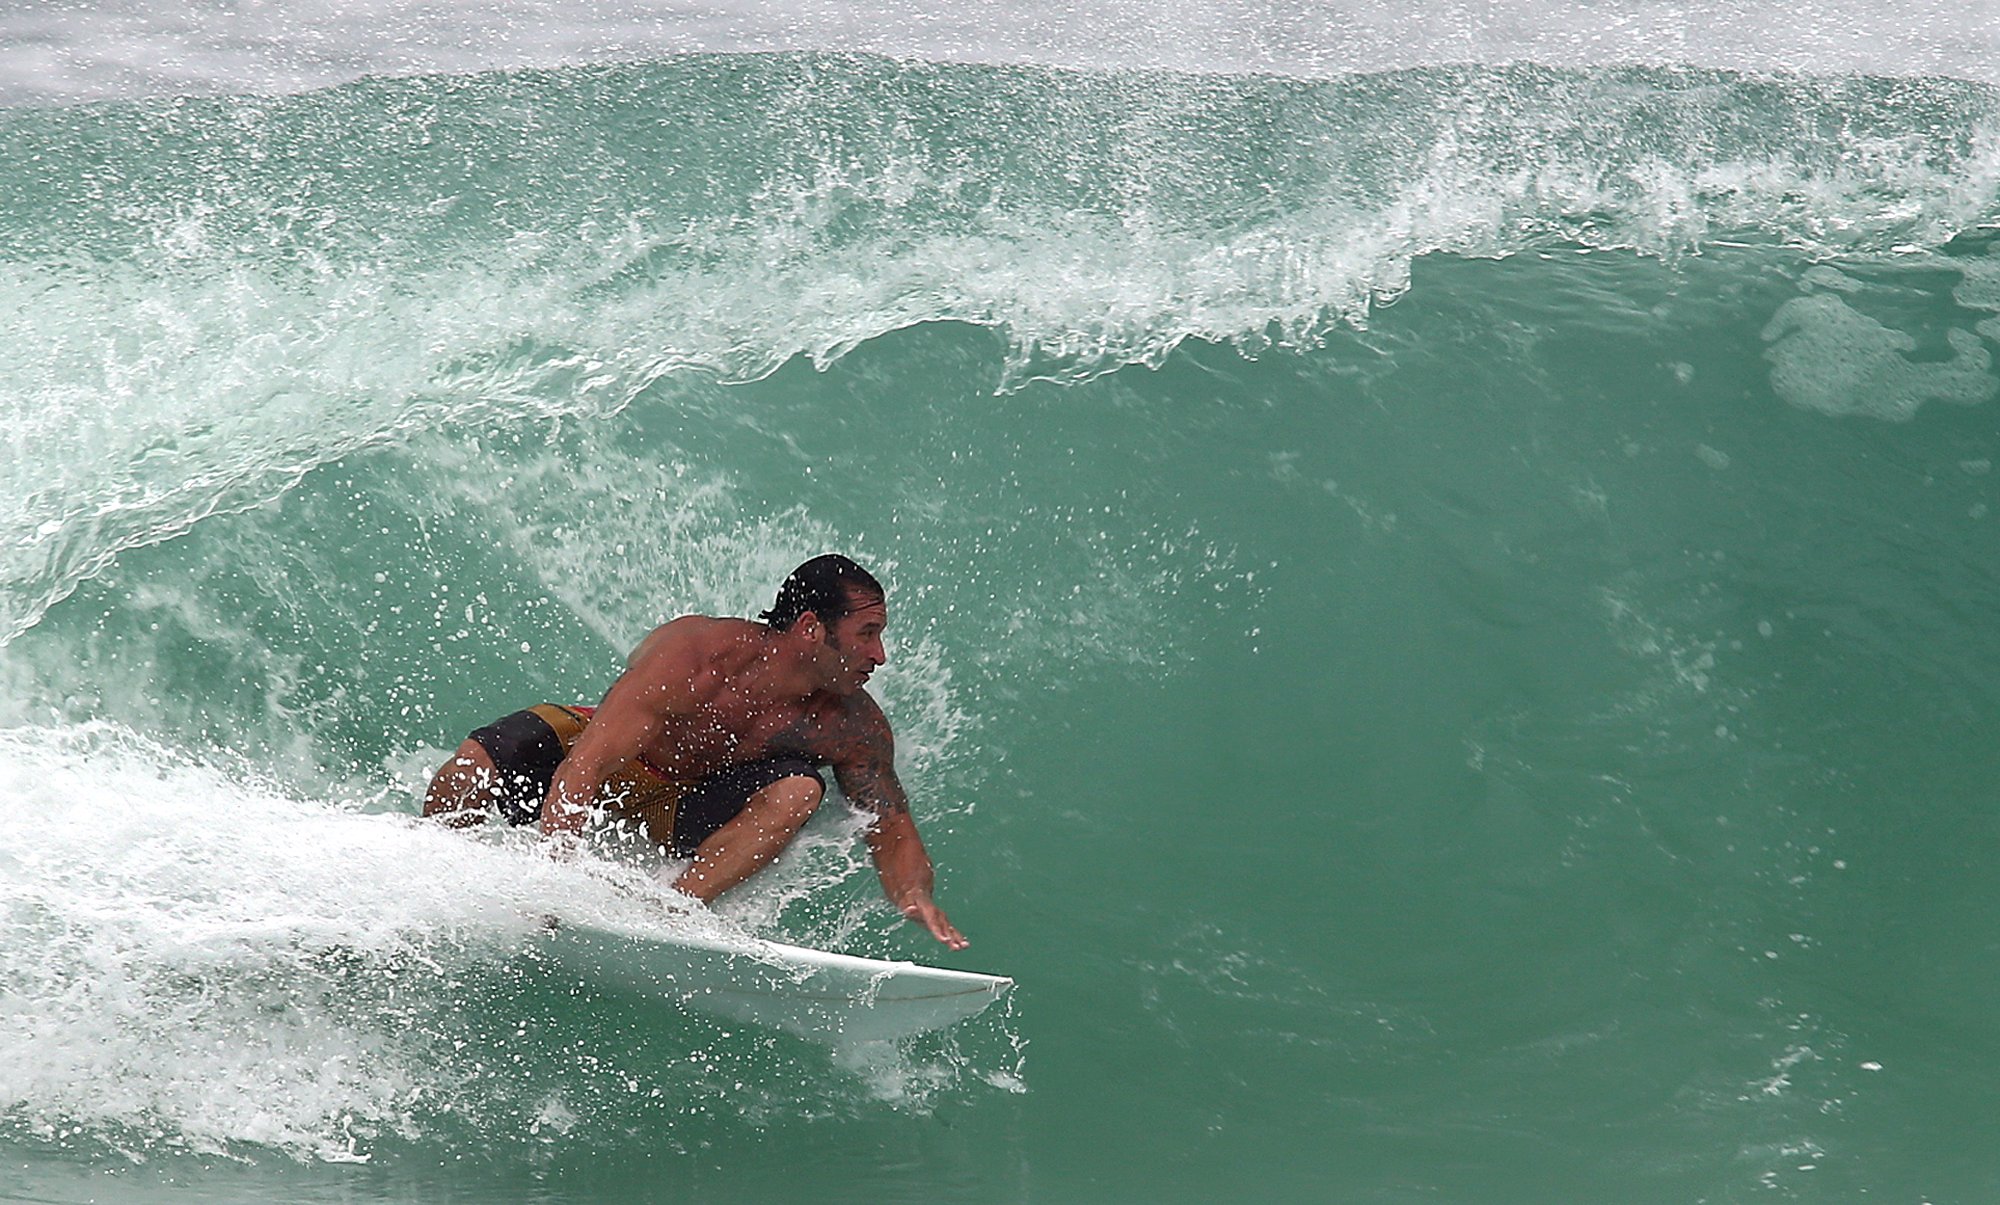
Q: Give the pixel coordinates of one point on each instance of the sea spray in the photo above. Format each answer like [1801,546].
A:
[341,267]
[194,962]
[1439,618]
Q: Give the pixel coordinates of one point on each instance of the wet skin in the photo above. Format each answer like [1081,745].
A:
[700,694]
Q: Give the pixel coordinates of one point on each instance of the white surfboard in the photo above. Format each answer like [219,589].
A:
[812,993]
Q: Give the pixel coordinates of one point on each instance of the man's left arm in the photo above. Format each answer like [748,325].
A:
[866,771]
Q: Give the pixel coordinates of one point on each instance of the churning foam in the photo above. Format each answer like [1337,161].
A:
[207,345]
[190,959]
[236,349]
[1829,356]
[186,47]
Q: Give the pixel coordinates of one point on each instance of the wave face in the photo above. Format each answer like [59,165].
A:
[1440,621]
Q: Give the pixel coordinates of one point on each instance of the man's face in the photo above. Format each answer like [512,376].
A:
[855,641]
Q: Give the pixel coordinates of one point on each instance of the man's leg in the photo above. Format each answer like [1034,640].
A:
[740,848]
[462,790]
[507,764]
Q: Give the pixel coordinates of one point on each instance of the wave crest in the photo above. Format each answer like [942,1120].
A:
[344,267]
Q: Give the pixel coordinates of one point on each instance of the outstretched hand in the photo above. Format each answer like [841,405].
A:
[920,908]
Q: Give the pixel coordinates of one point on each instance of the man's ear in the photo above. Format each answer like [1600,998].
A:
[809,626]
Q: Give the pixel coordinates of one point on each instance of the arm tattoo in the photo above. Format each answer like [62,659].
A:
[870,782]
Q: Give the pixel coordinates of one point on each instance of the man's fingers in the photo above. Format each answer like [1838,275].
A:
[942,930]
[931,917]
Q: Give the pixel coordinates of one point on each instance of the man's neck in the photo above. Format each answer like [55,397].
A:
[781,674]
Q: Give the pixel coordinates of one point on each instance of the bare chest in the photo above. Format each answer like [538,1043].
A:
[728,733]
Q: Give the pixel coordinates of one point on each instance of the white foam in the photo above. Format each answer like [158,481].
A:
[188,958]
[1979,289]
[143,398]
[241,345]
[1827,356]
[181,47]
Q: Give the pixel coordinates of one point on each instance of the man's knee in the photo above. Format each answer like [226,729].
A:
[789,802]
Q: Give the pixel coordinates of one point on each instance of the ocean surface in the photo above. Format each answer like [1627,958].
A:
[1444,572]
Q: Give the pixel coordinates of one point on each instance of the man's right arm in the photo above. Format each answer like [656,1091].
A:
[658,684]
[865,766]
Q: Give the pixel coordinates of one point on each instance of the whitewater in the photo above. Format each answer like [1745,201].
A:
[1441,565]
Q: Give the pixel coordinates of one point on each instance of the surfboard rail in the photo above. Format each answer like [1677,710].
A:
[816,994]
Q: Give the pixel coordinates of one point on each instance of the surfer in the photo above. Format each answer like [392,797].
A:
[710,743]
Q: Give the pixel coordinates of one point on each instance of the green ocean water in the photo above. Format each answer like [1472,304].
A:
[1442,625]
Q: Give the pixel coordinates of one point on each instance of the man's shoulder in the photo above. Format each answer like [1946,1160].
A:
[696,634]
[685,660]
[858,720]
[857,736]
[695,625]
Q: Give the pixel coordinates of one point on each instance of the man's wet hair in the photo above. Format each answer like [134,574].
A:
[831,587]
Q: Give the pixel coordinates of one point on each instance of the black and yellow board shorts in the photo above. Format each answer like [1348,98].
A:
[527,746]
